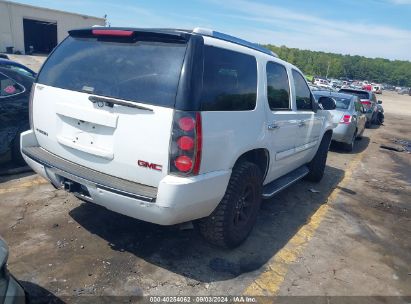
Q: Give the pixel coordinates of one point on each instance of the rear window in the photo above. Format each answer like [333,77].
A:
[342,103]
[141,71]
[229,81]
[361,95]
[9,87]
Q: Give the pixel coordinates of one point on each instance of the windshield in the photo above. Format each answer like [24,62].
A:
[142,71]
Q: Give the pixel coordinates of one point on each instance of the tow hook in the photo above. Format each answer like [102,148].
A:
[70,186]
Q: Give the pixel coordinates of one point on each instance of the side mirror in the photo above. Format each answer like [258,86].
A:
[327,102]
[379,101]
[314,104]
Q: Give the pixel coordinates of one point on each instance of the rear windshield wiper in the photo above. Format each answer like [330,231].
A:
[110,102]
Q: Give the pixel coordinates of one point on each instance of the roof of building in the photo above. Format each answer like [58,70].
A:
[50,9]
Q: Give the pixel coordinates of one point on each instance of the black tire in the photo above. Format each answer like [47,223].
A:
[234,218]
[317,165]
[368,124]
[349,147]
[15,152]
[380,118]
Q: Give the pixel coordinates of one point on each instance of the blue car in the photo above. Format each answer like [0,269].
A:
[15,86]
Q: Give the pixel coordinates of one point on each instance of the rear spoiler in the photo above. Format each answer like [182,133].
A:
[132,35]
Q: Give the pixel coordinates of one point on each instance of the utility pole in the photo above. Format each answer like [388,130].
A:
[328,69]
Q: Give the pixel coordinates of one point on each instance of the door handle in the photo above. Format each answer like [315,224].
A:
[301,123]
[273,126]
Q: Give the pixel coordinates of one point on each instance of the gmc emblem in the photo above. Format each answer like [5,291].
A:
[152,166]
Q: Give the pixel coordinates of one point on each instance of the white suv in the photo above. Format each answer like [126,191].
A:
[169,126]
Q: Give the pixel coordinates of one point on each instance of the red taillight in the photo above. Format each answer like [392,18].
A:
[186,143]
[183,163]
[366,102]
[186,123]
[118,33]
[346,119]
[199,143]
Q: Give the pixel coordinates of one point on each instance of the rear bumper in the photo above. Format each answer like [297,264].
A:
[343,133]
[176,200]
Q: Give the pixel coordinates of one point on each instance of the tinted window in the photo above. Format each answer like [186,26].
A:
[302,92]
[229,81]
[360,94]
[8,87]
[278,92]
[143,71]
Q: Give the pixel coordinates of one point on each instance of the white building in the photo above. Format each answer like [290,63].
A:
[26,27]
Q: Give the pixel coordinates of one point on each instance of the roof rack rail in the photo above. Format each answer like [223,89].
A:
[222,36]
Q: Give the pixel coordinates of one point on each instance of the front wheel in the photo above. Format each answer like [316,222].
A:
[317,165]
[234,218]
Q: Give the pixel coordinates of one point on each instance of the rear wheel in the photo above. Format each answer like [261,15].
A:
[350,146]
[233,219]
[368,124]
[380,118]
[317,165]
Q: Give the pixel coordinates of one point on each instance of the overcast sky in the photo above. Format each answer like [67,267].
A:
[372,28]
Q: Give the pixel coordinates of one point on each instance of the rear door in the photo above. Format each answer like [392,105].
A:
[309,124]
[282,124]
[106,101]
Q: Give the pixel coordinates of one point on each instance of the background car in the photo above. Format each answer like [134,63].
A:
[368,100]
[377,89]
[10,289]
[349,115]
[15,66]
[404,91]
[379,120]
[15,87]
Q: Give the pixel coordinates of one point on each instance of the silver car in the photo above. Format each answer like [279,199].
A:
[349,115]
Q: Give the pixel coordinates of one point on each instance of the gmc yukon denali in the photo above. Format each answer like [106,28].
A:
[169,126]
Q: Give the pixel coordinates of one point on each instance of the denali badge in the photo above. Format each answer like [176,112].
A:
[42,132]
[152,166]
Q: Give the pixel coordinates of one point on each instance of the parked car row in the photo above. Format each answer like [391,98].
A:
[349,116]
[355,111]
